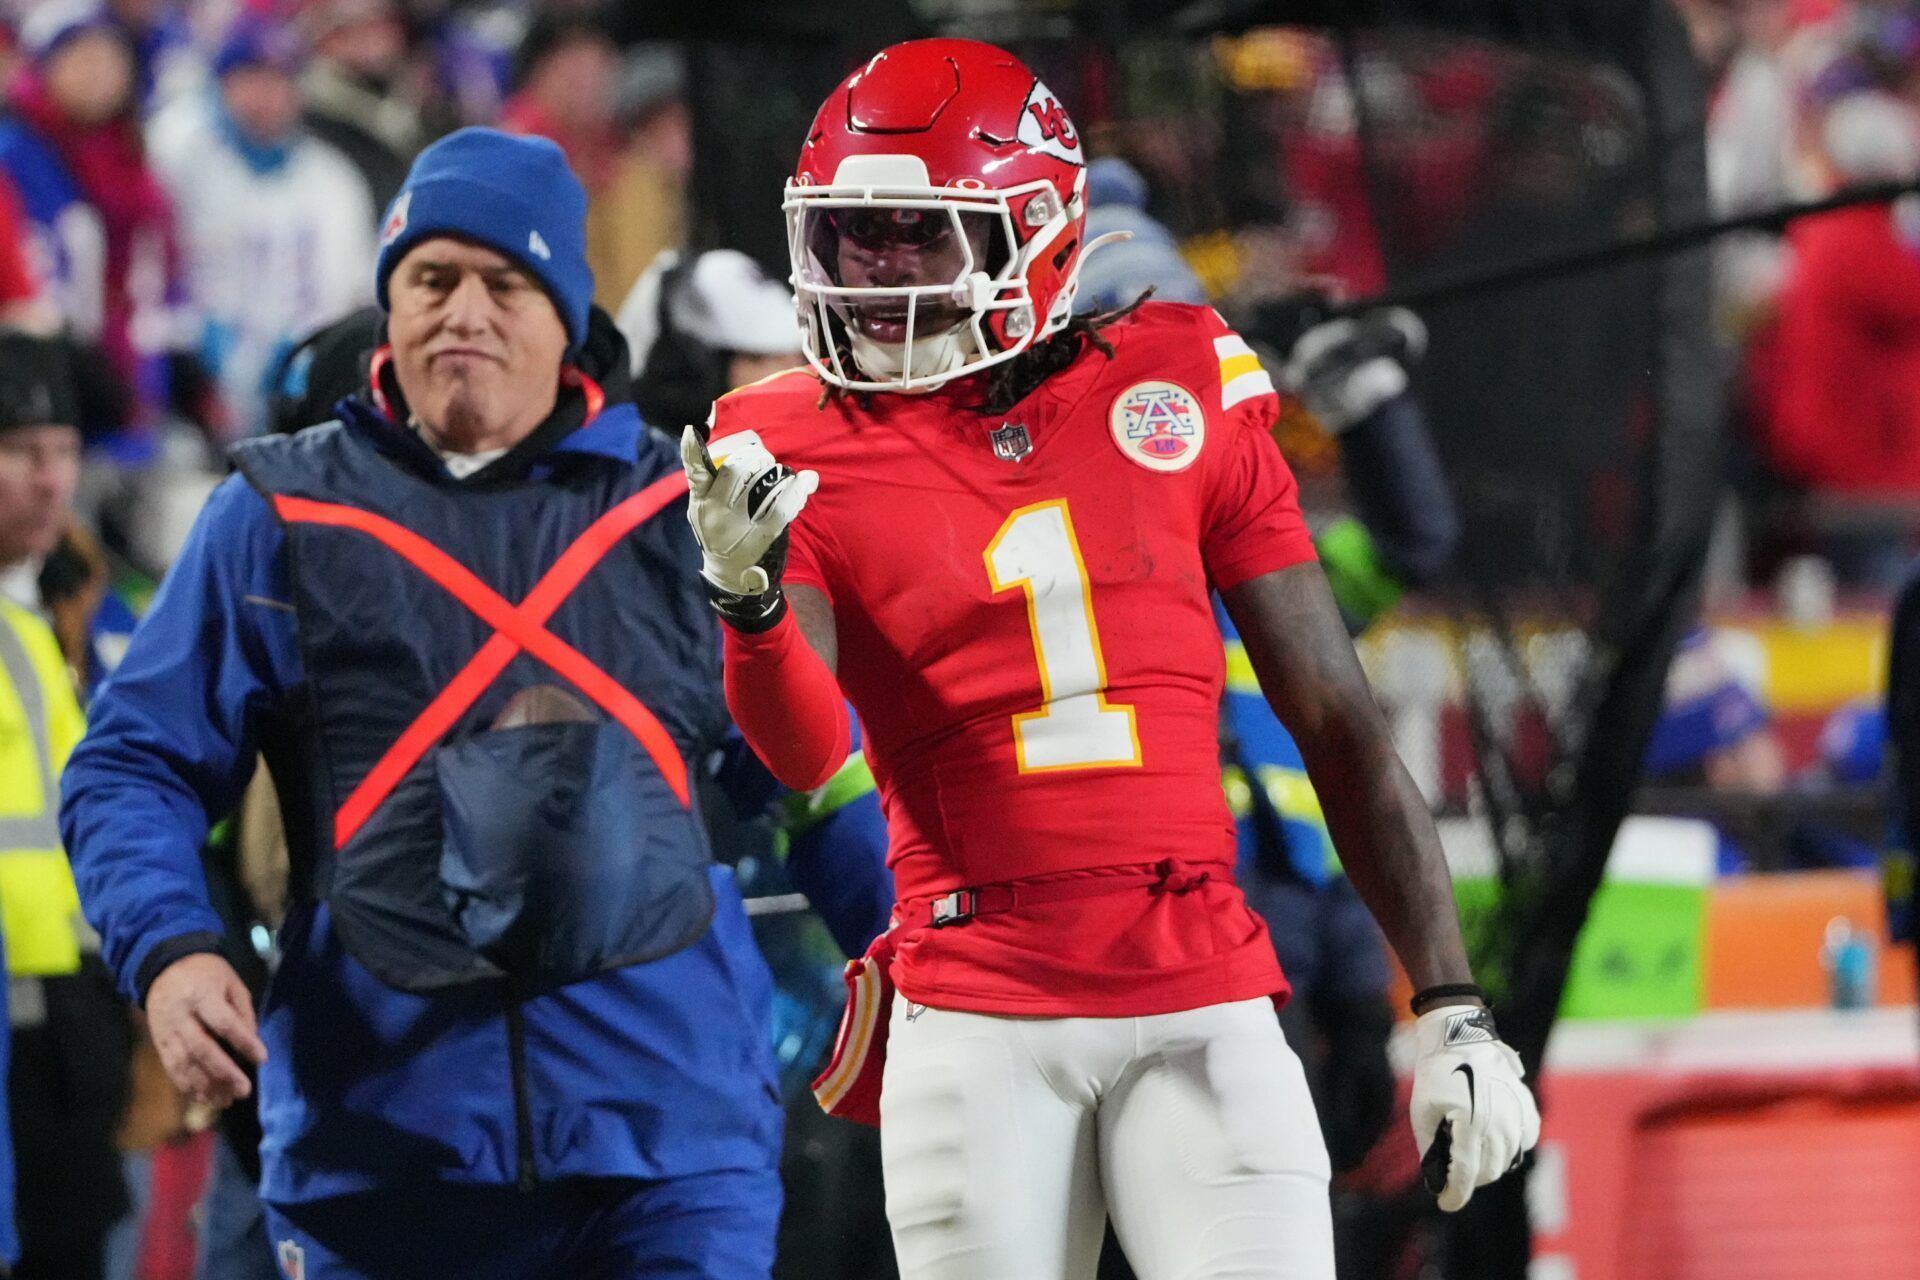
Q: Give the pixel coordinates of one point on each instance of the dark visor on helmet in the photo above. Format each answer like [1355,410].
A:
[892,228]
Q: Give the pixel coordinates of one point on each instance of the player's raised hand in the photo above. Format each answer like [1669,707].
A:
[1473,1117]
[740,505]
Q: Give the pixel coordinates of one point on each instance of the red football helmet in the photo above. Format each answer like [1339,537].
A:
[935,218]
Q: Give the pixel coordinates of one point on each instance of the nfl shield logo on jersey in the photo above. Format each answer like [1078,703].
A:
[1159,425]
[1011,441]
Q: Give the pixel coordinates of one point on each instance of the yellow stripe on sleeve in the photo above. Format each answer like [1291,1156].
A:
[1233,366]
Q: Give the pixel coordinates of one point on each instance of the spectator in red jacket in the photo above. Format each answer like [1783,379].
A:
[1839,377]
[74,126]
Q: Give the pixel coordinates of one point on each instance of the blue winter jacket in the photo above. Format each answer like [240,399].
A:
[650,1071]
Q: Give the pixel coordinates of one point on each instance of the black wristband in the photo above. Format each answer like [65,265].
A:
[1445,991]
[756,613]
[749,614]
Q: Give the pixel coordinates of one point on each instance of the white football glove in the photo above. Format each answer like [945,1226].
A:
[1467,1079]
[739,504]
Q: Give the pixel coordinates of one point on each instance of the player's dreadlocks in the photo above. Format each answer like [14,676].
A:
[1006,385]
[1010,383]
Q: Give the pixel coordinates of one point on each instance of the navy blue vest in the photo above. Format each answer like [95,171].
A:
[535,843]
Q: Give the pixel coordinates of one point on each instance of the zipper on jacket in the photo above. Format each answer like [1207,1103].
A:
[522,1110]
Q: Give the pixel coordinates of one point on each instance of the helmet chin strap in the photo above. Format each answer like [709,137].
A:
[936,354]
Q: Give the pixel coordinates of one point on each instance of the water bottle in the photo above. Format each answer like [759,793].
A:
[1848,958]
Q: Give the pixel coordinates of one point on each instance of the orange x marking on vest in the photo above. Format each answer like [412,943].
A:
[516,627]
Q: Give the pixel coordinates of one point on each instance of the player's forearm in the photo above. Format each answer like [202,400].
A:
[787,704]
[1389,849]
[1299,649]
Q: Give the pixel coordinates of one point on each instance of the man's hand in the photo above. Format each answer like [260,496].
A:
[201,1018]
[739,508]
[1467,1079]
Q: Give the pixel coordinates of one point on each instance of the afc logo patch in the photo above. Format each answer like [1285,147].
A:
[293,1261]
[1159,425]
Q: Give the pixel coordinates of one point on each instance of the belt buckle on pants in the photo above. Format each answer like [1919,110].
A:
[955,908]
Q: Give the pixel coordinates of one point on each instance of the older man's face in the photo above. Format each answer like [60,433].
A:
[39,469]
[477,344]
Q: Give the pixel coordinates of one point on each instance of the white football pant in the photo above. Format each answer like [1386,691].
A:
[1006,1141]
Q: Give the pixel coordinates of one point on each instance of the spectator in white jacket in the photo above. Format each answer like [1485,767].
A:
[277,225]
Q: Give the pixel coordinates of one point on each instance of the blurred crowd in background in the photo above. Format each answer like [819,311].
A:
[1395,164]
[189,189]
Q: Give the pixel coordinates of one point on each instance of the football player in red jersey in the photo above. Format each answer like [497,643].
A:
[1013,521]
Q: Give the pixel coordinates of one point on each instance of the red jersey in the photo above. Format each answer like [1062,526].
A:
[1024,629]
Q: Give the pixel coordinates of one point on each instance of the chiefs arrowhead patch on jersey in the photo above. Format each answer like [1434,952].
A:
[1159,425]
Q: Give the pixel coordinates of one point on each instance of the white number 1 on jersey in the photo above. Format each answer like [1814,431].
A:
[1075,727]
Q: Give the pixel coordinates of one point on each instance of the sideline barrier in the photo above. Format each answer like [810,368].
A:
[1758,1146]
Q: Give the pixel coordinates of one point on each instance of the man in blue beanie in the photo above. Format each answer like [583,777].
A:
[517,1027]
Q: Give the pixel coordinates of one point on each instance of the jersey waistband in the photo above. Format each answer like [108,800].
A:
[1169,875]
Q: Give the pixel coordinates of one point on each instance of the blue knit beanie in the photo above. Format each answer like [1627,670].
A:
[514,195]
[1709,707]
[254,40]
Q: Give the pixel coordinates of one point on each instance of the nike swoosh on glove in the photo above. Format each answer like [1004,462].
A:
[739,507]
[1466,1078]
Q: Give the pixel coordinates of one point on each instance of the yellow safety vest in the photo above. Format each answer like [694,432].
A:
[40,721]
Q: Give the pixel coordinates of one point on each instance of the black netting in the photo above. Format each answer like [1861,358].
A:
[1574,411]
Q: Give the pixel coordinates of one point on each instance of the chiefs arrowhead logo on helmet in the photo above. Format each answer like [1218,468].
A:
[1044,125]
